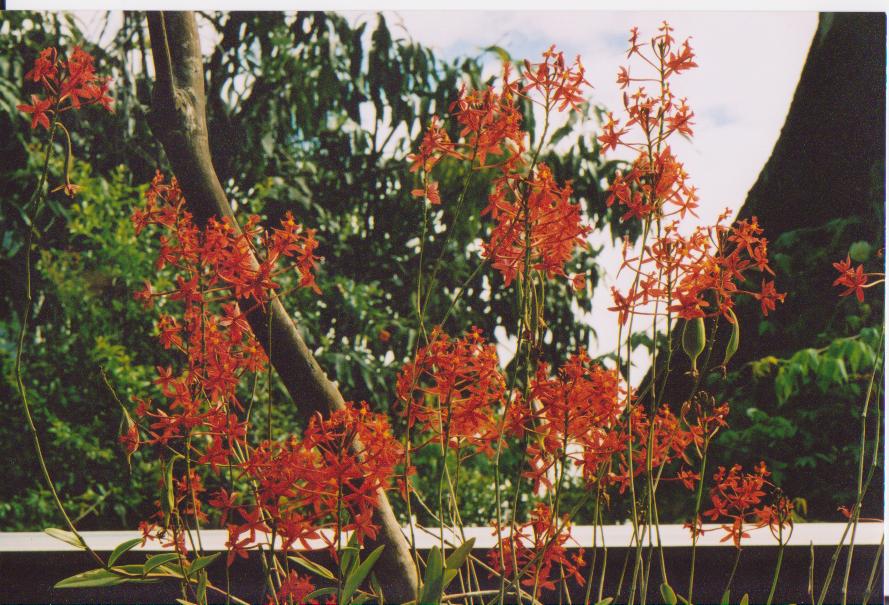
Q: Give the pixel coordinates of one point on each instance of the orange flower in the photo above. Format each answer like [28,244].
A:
[37,109]
[853,280]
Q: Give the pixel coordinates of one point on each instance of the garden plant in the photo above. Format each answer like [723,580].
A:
[568,439]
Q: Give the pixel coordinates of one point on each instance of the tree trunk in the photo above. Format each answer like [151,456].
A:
[179,120]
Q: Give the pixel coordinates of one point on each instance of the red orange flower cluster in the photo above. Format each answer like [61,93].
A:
[736,495]
[330,477]
[691,276]
[699,275]
[536,223]
[453,389]
[535,548]
[68,83]
[656,183]
[574,414]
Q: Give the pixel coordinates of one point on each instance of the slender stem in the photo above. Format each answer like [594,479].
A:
[38,198]
[777,571]
[694,520]
[731,577]
[862,483]
[873,572]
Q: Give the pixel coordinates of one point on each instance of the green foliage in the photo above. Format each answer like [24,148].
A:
[798,405]
[84,299]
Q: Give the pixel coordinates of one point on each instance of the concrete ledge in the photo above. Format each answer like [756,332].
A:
[31,563]
[611,536]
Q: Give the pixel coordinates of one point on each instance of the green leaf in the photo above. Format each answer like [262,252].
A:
[65,536]
[95,578]
[807,359]
[201,562]
[448,577]
[156,561]
[121,549]
[321,592]
[605,601]
[433,582]
[377,588]
[457,558]
[831,371]
[500,52]
[860,251]
[349,560]
[313,567]
[726,598]
[745,600]
[357,577]
[201,590]
[668,594]
[168,485]
[184,602]
[785,384]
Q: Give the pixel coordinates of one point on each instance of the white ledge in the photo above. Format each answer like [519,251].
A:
[615,536]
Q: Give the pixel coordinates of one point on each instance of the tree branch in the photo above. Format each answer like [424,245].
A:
[179,120]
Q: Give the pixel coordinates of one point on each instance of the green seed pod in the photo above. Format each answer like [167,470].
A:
[733,342]
[693,340]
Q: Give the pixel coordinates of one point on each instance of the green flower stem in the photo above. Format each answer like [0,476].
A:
[38,198]
[694,520]
[777,566]
[873,572]
[863,483]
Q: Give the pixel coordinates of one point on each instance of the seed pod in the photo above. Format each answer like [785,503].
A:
[735,339]
[693,341]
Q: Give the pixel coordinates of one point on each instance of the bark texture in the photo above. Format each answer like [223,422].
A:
[179,120]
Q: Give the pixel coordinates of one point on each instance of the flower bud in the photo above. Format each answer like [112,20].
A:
[693,340]
[735,339]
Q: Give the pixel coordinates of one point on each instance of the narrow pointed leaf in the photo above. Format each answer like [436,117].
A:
[65,536]
[156,561]
[457,558]
[321,592]
[201,590]
[201,562]
[95,578]
[315,568]
[357,577]
[349,560]
[433,582]
[121,549]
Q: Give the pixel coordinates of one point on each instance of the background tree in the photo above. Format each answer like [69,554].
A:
[333,153]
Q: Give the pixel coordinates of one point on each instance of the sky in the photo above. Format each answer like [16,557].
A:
[749,65]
